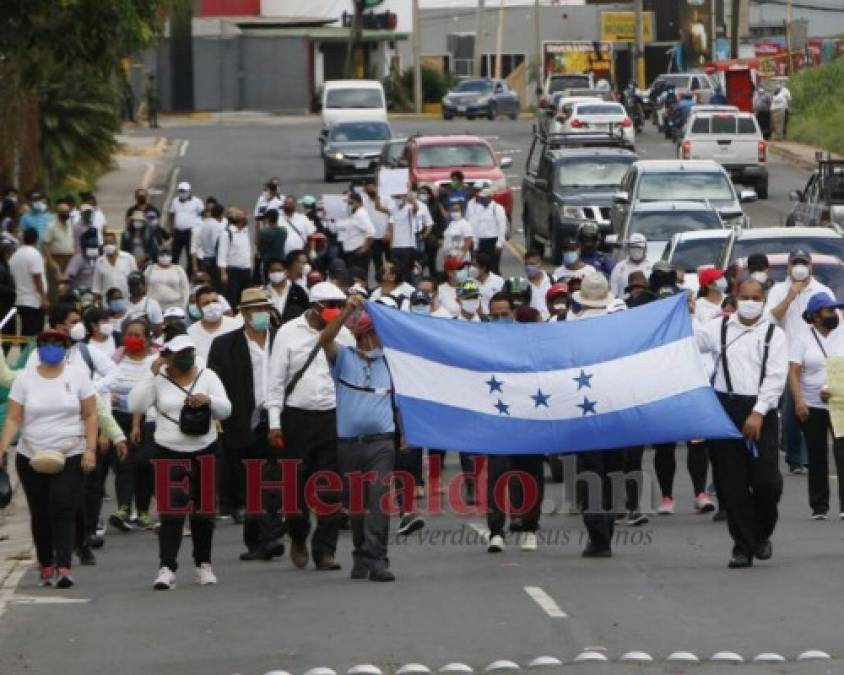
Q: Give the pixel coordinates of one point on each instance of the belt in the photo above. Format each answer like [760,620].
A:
[368,438]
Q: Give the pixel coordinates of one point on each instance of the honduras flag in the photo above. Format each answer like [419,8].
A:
[630,378]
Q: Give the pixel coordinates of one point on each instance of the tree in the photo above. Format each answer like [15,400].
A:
[355,36]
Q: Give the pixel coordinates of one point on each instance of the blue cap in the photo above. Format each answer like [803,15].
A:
[818,302]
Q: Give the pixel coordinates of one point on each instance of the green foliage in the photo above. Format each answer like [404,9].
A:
[817,110]
[399,89]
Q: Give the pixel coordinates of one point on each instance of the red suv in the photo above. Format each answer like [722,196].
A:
[431,159]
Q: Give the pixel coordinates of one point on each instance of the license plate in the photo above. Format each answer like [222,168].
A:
[362,164]
[461,108]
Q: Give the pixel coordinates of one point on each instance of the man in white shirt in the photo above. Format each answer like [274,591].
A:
[204,241]
[185,215]
[27,268]
[636,261]
[113,268]
[428,287]
[410,221]
[357,234]
[269,199]
[750,376]
[213,323]
[489,224]
[779,109]
[540,282]
[298,226]
[380,216]
[302,417]
[140,304]
[234,256]
[490,282]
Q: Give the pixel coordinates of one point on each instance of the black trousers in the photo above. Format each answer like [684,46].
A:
[134,476]
[32,320]
[379,252]
[239,279]
[209,266]
[93,491]
[358,261]
[310,436]
[403,259]
[432,249]
[53,501]
[816,431]
[181,242]
[172,524]
[665,465]
[750,486]
[488,245]
[597,472]
[524,497]
[409,460]
[633,477]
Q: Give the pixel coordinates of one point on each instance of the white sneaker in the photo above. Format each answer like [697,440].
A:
[205,575]
[166,580]
[496,544]
[529,541]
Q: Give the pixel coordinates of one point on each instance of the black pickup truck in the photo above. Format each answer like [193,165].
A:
[569,182]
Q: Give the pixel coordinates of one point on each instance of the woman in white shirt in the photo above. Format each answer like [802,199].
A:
[458,236]
[710,296]
[167,283]
[53,406]
[808,352]
[100,329]
[180,390]
[393,284]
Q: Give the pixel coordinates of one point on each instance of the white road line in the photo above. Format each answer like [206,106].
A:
[147,179]
[171,189]
[7,591]
[546,602]
[183,150]
[47,600]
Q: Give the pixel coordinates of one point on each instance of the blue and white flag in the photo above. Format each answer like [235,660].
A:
[629,378]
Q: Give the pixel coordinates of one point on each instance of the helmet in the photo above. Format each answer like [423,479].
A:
[588,231]
[556,290]
[519,290]
[469,289]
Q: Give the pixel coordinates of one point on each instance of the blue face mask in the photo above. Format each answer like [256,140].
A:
[373,354]
[194,312]
[51,354]
[462,275]
[420,309]
[39,207]
[260,321]
[118,305]
[570,257]
[484,201]
[532,271]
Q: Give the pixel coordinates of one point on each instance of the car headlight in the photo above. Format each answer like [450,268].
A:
[498,185]
[573,212]
[338,155]
[483,100]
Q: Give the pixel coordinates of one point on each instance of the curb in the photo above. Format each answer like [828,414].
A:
[794,157]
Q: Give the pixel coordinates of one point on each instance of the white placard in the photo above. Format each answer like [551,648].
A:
[393,182]
[336,207]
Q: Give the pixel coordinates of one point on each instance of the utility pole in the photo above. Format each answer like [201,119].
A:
[789,16]
[640,45]
[735,18]
[417,65]
[537,37]
[499,39]
[478,55]
[355,35]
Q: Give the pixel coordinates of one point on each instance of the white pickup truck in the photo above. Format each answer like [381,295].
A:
[734,140]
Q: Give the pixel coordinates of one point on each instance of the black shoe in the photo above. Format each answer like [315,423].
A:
[326,563]
[120,520]
[256,554]
[592,551]
[95,541]
[86,555]
[359,572]
[740,561]
[764,551]
[275,548]
[238,516]
[410,523]
[720,515]
[382,575]
[636,519]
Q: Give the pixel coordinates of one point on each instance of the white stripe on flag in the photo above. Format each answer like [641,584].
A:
[653,375]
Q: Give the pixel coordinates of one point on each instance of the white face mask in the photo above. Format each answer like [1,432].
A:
[721,284]
[165,260]
[761,277]
[213,312]
[109,249]
[637,254]
[306,270]
[105,329]
[91,252]
[277,277]
[750,309]
[470,306]
[456,215]
[800,272]
[78,332]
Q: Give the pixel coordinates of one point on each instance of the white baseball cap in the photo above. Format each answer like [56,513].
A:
[179,343]
[638,239]
[174,312]
[325,291]
[184,186]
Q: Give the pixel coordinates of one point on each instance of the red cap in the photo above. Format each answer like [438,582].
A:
[453,263]
[556,290]
[363,326]
[53,335]
[708,276]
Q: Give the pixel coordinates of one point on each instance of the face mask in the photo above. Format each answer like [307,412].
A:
[165,260]
[830,322]
[118,305]
[260,321]
[184,361]
[328,314]
[750,309]
[559,309]
[761,277]
[570,257]
[277,277]
[109,249]
[721,284]
[194,312]
[420,309]
[306,270]
[138,224]
[456,215]
[78,332]
[462,275]
[423,199]
[39,207]
[183,196]
[470,306]
[484,201]
[92,252]
[51,354]
[134,344]
[637,254]
[213,312]
[266,195]
[105,329]
[532,271]
[799,272]
[473,273]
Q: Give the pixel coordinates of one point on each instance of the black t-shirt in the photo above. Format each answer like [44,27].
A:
[149,211]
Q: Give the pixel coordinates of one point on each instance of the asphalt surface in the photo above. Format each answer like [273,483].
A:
[667,589]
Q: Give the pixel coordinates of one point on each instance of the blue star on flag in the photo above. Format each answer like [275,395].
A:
[503,408]
[583,380]
[587,406]
[494,385]
[540,399]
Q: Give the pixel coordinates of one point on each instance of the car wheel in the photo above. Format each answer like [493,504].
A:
[492,112]
[762,190]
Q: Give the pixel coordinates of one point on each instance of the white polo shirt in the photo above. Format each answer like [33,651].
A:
[187,214]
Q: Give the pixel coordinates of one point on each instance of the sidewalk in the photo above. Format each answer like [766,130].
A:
[801,155]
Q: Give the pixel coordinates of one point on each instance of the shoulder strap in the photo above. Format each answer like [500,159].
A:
[768,335]
[727,379]
[820,344]
[176,384]
[298,376]
[85,351]
[295,229]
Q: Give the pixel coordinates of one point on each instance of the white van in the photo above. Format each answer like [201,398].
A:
[353,100]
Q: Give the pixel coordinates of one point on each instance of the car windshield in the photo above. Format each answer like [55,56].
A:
[394,152]
[828,245]
[360,131]
[829,275]
[592,172]
[462,154]
[600,109]
[561,82]
[686,186]
[677,81]
[473,85]
[663,225]
[692,253]
[354,98]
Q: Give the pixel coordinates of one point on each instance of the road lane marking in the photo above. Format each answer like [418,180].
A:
[7,591]
[147,179]
[546,602]
[183,150]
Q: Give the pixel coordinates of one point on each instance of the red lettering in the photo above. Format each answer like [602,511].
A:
[288,486]
[164,486]
[358,480]
[403,484]
[207,485]
[327,482]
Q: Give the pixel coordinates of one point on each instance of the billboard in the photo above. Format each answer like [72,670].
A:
[621,26]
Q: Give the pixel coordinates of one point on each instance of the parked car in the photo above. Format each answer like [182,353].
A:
[681,180]
[734,140]
[431,159]
[353,147]
[566,185]
[660,221]
[821,202]
[828,269]
[353,101]
[392,153]
[481,98]
[587,117]
[695,249]
[743,243]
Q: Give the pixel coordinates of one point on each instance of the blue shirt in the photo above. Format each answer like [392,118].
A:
[362,413]
[38,222]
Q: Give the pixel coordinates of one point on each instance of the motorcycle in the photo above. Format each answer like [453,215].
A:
[635,110]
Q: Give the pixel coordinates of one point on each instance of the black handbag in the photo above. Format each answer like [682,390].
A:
[5,489]
[193,420]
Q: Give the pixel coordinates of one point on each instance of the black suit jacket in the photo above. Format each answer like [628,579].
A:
[229,358]
[297,303]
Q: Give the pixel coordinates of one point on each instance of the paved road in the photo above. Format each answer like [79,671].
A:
[667,589]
